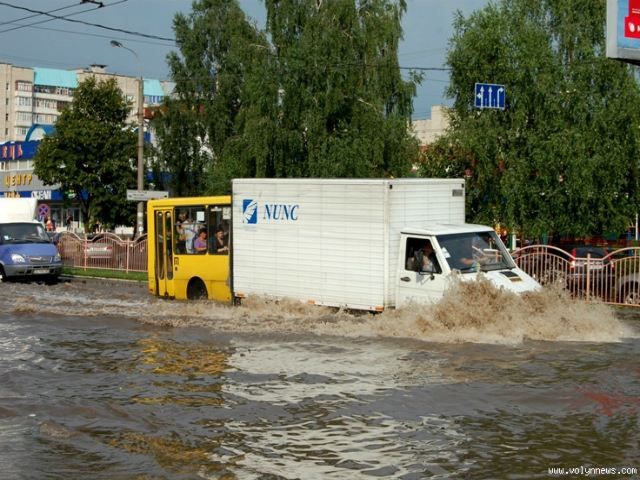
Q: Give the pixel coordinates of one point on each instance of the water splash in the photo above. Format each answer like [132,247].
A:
[475,312]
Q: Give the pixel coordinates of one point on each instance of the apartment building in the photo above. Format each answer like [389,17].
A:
[31,100]
[428,130]
[36,96]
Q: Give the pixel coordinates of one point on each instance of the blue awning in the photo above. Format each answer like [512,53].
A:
[54,77]
[152,88]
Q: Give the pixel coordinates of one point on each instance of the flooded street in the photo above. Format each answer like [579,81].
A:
[100,380]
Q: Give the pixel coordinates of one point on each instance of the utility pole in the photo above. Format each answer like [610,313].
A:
[140,186]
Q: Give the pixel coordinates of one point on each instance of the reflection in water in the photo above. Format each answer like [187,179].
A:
[172,453]
[112,383]
[200,365]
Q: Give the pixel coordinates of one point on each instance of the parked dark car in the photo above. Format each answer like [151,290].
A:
[589,263]
[581,268]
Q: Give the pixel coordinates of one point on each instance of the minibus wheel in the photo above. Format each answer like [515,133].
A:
[196,290]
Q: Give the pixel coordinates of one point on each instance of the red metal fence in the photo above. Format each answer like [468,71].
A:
[105,251]
[614,278]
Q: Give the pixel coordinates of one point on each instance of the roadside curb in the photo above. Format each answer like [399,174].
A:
[75,278]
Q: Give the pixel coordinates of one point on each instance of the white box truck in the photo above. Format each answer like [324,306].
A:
[360,244]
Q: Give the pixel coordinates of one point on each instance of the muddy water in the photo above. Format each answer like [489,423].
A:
[98,380]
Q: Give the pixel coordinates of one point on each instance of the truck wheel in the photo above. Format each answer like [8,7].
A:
[197,290]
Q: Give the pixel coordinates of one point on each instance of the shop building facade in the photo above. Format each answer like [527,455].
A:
[32,100]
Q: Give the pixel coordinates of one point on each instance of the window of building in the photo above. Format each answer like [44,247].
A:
[22,164]
[21,131]
[46,103]
[23,86]
[153,99]
[8,165]
[24,117]
[52,90]
[64,91]
[44,89]
[24,101]
[45,118]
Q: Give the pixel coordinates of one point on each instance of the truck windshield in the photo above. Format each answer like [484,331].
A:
[475,251]
[23,233]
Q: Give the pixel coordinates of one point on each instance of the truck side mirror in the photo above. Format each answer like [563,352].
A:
[430,270]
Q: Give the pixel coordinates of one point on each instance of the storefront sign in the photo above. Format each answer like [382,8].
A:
[18,179]
[9,152]
[14,150]
[41,194]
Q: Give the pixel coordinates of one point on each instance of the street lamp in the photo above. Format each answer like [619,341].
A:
[140,216]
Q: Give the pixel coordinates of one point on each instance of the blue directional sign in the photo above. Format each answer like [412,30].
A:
[490,95]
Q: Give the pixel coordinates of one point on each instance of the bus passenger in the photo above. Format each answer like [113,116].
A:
[181,243]
[220,242]
[200,242]
[189,228]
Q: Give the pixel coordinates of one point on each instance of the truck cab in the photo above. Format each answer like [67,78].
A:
[462,250]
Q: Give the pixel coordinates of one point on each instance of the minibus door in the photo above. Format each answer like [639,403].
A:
[163,266]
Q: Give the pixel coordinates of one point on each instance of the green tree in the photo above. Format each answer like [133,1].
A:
[561,158]
[217,46]
[318,93]
[92,153]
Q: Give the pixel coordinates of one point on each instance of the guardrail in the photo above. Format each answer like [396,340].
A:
[103,251]
[613,279]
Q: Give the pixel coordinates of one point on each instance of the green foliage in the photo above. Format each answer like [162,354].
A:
[318,94]
[91,151]
[562,157]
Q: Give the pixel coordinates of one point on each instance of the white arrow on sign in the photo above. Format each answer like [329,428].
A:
[500,91]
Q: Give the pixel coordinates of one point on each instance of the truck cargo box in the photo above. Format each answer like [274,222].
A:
[332,241]
[17,209]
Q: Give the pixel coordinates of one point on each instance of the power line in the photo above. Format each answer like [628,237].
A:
[97,35]
[426,69]
[97,25]
[19,26]
[13,22]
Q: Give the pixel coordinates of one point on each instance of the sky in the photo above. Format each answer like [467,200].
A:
[31,39]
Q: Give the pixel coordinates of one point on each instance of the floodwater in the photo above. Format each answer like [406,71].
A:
[98,380]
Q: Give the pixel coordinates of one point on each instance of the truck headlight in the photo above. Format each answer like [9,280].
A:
[57,258]
[17,258]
